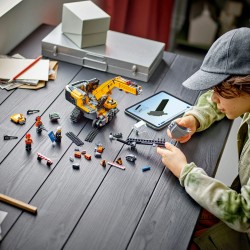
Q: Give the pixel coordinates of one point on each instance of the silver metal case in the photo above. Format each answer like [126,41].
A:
[123,54]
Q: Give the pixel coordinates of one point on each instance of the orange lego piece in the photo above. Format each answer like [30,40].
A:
[87,156]
[119,161]
[77,154]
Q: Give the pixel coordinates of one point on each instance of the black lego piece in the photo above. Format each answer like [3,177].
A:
[132,142]
[32,111]
[92,134]
[74,138]
[9,137]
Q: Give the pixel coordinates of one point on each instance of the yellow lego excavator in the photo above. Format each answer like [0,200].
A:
[92,100]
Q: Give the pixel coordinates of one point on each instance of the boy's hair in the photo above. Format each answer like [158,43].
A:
[233,87]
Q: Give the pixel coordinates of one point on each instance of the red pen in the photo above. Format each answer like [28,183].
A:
[25,69]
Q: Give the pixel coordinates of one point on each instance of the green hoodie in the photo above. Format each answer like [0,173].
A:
[231,207]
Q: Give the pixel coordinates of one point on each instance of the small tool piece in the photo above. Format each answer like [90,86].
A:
[9,137]
[32,111]
[177,130]
[131,158]
[115,136]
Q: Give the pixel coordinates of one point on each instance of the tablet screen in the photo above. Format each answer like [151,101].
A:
[158,110]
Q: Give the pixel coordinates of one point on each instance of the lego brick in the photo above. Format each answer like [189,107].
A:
[76,166]
[146,168]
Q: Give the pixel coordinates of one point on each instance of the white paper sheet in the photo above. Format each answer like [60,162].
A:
[11,67]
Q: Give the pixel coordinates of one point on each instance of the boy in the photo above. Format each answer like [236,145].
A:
[226,72]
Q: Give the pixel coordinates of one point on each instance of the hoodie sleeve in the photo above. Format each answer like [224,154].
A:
[205,111]
[226,204]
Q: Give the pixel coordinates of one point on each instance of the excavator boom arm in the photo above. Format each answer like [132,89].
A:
[117,82]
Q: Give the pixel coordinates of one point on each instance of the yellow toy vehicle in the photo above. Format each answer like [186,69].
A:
[92,99]
[18,118]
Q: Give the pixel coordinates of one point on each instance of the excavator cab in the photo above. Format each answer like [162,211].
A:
[110,103]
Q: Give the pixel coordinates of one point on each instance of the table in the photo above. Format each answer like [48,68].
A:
[96,207]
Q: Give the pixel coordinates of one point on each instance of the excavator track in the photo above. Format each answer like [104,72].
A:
[76,115]
[92,134]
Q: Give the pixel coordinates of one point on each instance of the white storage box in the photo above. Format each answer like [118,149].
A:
[88,40]
[85,23]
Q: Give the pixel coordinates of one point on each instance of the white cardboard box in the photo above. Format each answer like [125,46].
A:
[85,23]
[88,40]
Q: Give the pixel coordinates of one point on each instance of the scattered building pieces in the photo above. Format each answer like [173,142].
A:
[131,158]
[54,117]
[42,157]
[103,163]
[99,150]
[18,119]
[77,154]
[119,161]
[74,139]
[116,135]
[92,134]
[9,137]
[32,111]
[146,168]
[76,166]
[116,165]
[83,152]
[87,156]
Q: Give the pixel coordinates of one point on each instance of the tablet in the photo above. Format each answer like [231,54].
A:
[158,110]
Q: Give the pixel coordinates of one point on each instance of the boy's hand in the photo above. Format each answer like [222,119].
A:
[189,122]
[172,158]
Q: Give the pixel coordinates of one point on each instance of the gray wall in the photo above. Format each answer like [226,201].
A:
[24,18]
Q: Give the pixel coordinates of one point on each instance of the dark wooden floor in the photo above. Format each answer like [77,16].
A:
[96,207]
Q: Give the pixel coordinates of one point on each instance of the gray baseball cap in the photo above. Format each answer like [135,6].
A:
[228,55]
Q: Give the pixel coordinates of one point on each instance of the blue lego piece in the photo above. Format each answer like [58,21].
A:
[52,136]
[146,168]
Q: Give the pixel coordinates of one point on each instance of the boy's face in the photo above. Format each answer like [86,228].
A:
[233,107]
